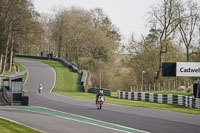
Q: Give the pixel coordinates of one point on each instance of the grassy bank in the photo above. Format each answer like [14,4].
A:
[174,93]
[21,69]
[68,84]
[11,127]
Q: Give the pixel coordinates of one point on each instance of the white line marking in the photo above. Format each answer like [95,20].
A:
[27,74]
[54,79]
[83,116]
[89,119]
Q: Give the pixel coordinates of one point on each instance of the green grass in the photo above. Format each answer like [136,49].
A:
[6,72]
[68,84]
[114,100]
[11,127]
[66,81]
[174,93]
[21,69]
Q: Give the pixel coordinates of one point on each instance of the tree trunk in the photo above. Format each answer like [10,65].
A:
[11,56]
[77,57]
[160,63]
[6,54]
[59,46]
[1,61]
[188,58]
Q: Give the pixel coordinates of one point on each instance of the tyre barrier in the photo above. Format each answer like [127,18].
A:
[185,101]
[96,90]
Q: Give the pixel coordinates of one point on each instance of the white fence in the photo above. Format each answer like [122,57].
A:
[165,86]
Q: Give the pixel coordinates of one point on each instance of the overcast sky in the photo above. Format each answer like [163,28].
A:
[127,15]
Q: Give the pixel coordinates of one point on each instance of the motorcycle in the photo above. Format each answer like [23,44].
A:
[40,89]
[100,102]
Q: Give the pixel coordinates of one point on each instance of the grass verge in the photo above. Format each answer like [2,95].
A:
[174,93]
[115,100]
[68,84]
[21,69]
[11,127]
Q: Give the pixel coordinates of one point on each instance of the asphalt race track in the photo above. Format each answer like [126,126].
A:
[149,120]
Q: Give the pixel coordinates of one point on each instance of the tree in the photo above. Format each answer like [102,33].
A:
[16,23]
[102,21]
[164,18]
[87,43]
[144,56]
[58,30]
[188,28]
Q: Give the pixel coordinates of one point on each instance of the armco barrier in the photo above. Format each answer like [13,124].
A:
[161,98]
[96,90]
[66,63]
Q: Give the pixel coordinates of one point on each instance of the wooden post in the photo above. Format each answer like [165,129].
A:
[174,85]
[149,87]
[164,86]
[159,86]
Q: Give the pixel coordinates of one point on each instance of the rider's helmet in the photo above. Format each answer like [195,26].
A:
[40,85]
[101,91]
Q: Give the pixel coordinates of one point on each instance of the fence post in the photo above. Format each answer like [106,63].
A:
[145,87]
[169,86]
[159,86]
[164,86]
[174,85]
[149,87]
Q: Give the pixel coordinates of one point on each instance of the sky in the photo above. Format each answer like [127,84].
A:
[128,16]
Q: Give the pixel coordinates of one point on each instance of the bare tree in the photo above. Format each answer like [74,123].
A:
[102,21]
[86,42]
[188,27]
[164,18]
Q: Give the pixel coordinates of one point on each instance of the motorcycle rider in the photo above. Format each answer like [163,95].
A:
[99,94]
[40,88]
